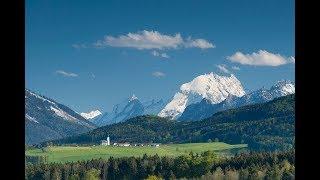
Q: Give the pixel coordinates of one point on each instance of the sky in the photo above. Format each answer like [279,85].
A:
[94,54]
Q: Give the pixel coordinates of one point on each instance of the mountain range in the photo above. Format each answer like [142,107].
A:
[129,108]
[46,119]
[205,108]
[195,100]
[263,126]
[198,99]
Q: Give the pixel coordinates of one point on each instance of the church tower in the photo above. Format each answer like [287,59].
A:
[108,140]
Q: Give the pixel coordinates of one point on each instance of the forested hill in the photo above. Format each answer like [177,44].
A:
[140,129]
[266,126]
[279,107]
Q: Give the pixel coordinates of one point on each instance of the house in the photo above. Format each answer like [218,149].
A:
[104,143]
[138,144]
[125,144]
[155,145]
[122,144]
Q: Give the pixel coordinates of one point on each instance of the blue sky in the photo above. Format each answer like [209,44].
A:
[81,53]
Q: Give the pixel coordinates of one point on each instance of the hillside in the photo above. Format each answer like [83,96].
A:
[267,126]
[46,119]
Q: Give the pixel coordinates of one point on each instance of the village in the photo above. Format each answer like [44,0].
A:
[126,144]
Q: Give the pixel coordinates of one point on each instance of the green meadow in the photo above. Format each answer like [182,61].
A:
[68,154]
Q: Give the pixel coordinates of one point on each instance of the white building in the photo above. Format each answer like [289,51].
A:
[122,144]
[155,145]
[106,142]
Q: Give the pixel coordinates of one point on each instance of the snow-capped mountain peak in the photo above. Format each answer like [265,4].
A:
[91,114]
[130,107]
[204,109]
[212,87]
[283,87]
[133,97]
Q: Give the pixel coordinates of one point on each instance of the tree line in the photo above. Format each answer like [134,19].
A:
[206,165]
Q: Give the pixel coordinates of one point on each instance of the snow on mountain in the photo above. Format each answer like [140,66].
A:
[282,88]
[129,108]
[61,113]
[132,109]
[210,86]
[153,107]
[133,97]
[204,109]
[46,119]
[91,114]
[31,118]
[38,96]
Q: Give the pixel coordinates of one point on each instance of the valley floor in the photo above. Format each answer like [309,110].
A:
[70,154]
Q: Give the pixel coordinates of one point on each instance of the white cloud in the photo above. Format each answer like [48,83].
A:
[223,68]
[152,40]
[235,68]
[66,74]
[165,55]
[262,58]
[158,54]
[155,53]
[158,74]
[292,59]
[199,43]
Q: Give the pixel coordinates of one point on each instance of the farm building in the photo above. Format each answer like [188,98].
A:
[122,144]
[138,144]
[126,144]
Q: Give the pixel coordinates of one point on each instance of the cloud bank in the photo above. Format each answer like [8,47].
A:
[261,58]
[152,40]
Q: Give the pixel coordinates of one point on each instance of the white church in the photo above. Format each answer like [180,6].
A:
[106,142]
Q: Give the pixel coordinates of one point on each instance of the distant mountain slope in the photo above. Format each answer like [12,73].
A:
[205,108]
[267,126]
[129,108]
[210,86]
[46,119]
[91,115]
[279,107]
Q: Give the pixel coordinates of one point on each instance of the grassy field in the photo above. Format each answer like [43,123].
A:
[68,153]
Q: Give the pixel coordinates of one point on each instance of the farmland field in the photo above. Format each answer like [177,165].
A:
[67,153]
